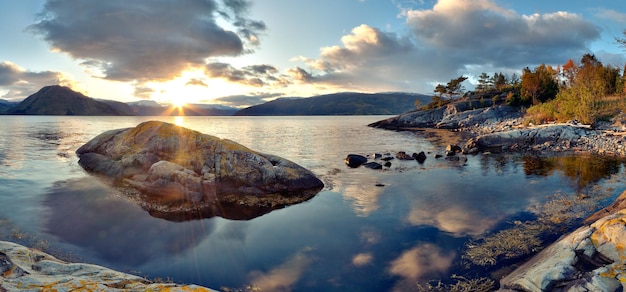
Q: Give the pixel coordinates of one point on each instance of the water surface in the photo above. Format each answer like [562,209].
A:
[352,236]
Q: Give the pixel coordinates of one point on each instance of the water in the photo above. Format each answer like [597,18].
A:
[352,236]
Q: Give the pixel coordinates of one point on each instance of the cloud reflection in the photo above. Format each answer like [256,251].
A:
[426,260]
[283,277]
[457,220]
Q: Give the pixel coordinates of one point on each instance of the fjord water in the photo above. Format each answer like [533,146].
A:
[352,236]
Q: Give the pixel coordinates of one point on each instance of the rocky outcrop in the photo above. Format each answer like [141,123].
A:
[24,269]
[592,258]
[173,165]
[456,115]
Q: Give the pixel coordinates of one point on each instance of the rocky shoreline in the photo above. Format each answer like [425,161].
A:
[591,258]
[27,269]
[500,128]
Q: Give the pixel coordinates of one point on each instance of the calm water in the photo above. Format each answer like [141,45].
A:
[352,236]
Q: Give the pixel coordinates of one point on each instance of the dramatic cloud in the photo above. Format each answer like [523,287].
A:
[246,100]
[455,37]
[255,75]
[21,83]
[146,40]
[480,32]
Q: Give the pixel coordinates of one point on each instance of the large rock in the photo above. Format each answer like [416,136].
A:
[24,269]
[172,164]
[592,258]
[528,137]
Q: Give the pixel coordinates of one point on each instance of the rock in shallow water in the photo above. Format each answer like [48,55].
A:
[25,269]
[172,164]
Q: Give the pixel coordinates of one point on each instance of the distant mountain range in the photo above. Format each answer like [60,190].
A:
[346,103]
[60,100]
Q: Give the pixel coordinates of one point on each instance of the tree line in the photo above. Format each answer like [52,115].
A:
[586,90]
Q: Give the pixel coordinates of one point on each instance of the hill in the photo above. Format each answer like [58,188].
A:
[6,105]
[60,100]
[152,108]
[346,103]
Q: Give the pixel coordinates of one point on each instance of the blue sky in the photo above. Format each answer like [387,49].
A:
[242,52]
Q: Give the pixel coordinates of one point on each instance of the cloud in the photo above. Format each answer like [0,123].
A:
[146,40]
[611,14]
[246,100]
[254,75]
[481,32]
[450,39]
[20,82]
[196,82]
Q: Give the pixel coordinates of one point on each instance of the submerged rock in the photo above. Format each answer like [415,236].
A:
[173,165]
[25,269]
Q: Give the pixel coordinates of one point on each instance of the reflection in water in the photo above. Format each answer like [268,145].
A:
[582,170]
[455,219]
[362,259]
[421,262]
[86,213]
[283,277]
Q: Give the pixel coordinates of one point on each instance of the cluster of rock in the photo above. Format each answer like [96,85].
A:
[179,170]
[592,258]
[25,269]
[357,160]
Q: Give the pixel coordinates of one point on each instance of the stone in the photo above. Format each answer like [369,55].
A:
[373,165]
[355,160]
[25,269]
[420,157]
[592,258]
[403,156]
[174,165]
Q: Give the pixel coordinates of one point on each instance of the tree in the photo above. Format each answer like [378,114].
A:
[622,41]
[499,81]
[455,86]
[569,72]
[539,85]
[483,82]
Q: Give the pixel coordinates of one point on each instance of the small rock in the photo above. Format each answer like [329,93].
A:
[403,156]
[355,160]
[437,156]
[420,157]
[373,165]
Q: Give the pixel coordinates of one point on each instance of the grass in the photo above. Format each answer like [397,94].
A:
[462,285]
[558,215]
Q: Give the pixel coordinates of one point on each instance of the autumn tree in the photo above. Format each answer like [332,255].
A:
[538,85]
[499,81]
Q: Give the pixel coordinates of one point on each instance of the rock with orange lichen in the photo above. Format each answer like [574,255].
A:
[173,165]
[25,269]
[592,258]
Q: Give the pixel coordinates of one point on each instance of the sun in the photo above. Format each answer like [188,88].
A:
[179,103]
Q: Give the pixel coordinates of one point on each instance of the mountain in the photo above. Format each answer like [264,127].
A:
[346,103]
[61,100]
[6,105]
[152,108]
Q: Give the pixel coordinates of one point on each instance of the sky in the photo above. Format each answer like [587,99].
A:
[244,52]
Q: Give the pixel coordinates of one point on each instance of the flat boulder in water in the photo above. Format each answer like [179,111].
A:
[172,164]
